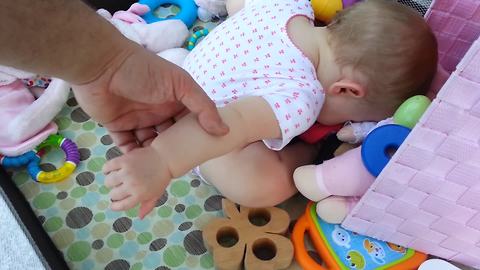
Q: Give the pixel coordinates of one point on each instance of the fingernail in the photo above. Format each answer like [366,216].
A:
[217,127]
[224,127]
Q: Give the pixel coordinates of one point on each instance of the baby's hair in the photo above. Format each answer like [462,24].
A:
[388,43]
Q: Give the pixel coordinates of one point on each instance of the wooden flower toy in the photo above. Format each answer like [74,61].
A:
[249,238]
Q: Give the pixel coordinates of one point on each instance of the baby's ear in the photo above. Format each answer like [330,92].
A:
[347,87]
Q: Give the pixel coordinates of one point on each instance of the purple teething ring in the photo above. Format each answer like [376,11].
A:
[71,151]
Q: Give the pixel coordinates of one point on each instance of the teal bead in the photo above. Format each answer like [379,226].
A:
[411,111]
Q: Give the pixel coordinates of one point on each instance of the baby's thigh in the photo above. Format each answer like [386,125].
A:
[254,176]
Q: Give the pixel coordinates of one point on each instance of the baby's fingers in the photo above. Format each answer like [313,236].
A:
[124,204]
[113,165]
[113,179]
[119,193]
[146,207]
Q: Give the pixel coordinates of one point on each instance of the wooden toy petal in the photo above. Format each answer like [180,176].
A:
[269,252]
[226,242]
[229,258]
[269,219]
[279,221]
[230,209]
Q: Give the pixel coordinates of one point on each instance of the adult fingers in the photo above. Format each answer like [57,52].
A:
[195,99]
[180,115]
[145,134]
[164,126]
[125,140]
[147,142]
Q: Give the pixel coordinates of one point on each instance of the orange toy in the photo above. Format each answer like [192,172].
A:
[341,249]
[250,238]
[325,10]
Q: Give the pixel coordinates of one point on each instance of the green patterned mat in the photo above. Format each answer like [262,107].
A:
[75,212]
[76,215]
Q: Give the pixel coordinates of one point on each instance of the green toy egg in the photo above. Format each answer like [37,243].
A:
[411,110]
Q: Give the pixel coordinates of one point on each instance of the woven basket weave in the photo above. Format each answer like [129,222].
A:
[428,196]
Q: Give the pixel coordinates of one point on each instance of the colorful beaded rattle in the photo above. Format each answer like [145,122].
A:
[32,160]
[194,38]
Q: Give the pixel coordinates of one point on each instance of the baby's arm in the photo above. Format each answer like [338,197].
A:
[142,174]
[185,145]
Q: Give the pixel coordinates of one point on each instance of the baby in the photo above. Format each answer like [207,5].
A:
[272,74]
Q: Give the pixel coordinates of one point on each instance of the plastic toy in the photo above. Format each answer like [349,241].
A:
[411,110]
[187,14]
[31,159]
[437,264]
[380,145]
[382,142]
[325,10]
[249,238]
[194,38]
[342,249]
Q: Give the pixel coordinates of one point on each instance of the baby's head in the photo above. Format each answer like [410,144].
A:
[383,53]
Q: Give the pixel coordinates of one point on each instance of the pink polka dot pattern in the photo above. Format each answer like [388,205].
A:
[251,54]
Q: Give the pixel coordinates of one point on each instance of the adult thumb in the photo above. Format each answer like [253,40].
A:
[195,100]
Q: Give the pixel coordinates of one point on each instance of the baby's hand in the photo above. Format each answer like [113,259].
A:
[140,176]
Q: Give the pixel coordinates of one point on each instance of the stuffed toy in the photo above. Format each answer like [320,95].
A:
[132,15]
[27,121]
[319,183]
[207,9]
[337,184]
[151,36]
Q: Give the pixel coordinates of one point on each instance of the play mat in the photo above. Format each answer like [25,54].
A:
[76,215]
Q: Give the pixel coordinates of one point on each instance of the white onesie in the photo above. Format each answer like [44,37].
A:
[251,54]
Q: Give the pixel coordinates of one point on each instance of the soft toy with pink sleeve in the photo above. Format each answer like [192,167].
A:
[337,184]
[27,121]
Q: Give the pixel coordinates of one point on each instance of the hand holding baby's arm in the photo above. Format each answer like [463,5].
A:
[143,174]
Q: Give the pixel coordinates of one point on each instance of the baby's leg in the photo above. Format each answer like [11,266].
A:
[256,176]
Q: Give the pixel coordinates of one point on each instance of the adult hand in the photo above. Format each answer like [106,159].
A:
[137,90]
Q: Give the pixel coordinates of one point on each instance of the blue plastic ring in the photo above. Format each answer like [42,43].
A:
[376,146]
[187,14]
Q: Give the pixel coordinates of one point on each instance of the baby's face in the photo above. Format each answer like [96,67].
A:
[337,110]
[333,111]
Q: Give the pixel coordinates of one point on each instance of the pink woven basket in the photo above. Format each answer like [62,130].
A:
[428,196]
